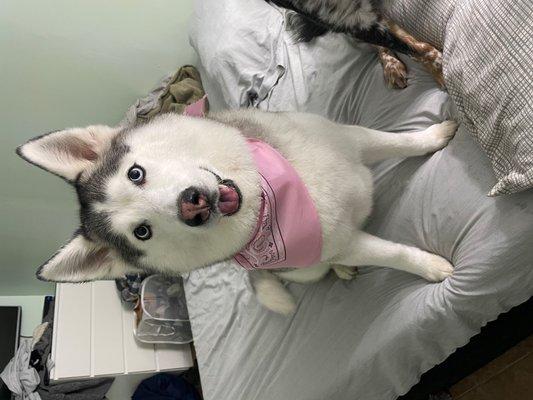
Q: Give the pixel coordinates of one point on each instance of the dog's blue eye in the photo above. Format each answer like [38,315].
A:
[136,174]
[143,232]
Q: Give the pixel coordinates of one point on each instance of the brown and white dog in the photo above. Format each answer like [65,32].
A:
[363,20]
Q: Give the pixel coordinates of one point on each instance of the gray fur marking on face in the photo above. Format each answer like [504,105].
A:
[95,225]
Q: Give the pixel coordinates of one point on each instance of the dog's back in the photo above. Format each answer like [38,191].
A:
[313,18]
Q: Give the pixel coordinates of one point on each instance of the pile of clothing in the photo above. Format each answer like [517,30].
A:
[27,375]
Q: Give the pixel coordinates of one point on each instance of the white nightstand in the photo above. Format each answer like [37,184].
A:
[93,337]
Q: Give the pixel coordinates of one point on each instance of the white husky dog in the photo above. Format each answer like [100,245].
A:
[179,193]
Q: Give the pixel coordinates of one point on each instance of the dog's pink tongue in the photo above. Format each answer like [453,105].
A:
[228,201]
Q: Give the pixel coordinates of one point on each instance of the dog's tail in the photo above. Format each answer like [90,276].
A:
[304,29]
[302,26]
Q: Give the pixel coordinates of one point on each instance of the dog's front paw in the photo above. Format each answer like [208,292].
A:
[345,272]
[437,268]
[274,296]
[439,135]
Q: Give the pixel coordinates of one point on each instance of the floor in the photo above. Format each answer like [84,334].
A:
[125,385]
[508,377]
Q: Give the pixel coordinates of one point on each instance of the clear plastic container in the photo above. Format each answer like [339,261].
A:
[164,317]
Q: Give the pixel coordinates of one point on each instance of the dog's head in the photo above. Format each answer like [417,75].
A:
[172,195]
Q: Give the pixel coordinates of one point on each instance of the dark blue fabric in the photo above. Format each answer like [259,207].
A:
[165,387]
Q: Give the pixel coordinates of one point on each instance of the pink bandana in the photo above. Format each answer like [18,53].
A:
[288,232]
[197,109]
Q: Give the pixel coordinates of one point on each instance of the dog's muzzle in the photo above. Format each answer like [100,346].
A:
[194,207]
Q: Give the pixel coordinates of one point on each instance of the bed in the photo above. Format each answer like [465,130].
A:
[373,337]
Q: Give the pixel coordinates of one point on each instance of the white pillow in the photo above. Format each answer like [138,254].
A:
[237,43]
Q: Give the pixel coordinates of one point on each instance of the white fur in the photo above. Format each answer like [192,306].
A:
[330,158]
[54,152]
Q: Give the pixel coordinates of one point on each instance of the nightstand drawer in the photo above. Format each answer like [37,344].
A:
[93,336]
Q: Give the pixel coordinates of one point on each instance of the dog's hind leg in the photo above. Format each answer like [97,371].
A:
[378,145]
[394,70]
[425,53]
[367,249]
[379,34]
[345,272]
[391,36]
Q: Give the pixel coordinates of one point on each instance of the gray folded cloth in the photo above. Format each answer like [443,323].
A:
[88,389]
[173,93]
[19,377]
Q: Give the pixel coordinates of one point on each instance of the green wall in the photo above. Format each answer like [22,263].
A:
[69,63]
[32,311]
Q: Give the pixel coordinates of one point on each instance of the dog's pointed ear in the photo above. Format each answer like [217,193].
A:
[82,260]
[69,152]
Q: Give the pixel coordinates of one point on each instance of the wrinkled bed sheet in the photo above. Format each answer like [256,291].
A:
[370,338]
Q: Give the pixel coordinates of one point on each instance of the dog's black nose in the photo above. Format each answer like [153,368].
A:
[194,208]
